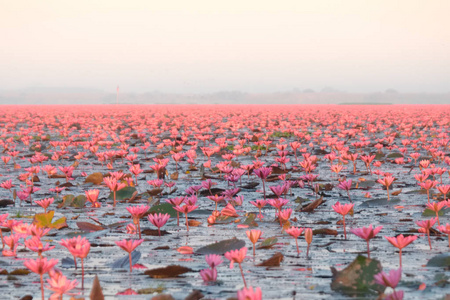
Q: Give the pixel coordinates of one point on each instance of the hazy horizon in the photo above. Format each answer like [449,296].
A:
[205,46]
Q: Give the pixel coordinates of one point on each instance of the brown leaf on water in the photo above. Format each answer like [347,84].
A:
[174,176]
[278,171]
[325,231]
[5,202]
[20,272]
[57,176]
[163,297]
[96,292]
[194,223]
[313,205]
[96,178]
[153,232]
[89,226]
[75,164]
[396,193]
[195,295]
[154,192]
[274,261]
[133,197]
[171,271]
[357,279]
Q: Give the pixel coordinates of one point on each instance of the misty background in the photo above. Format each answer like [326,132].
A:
[206,52]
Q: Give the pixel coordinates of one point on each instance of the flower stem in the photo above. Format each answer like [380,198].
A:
[429,240]
[345,231]
[82,274]
[129,257]
[187,223]
[139,228]
[42,286]
[400,255]
[368,249]
[296,244]
[242,274]
[264,188]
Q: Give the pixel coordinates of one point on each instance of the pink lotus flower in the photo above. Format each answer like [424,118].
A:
[295,232]
[41,266]
[59,284]
[386,181]
[389,280]
[44,203]
[237,256]
[343,210]
[249,294]
[129,246]
[137,212]
[425,227]
[208,275]
[401,242]
[159,220]
[367,233]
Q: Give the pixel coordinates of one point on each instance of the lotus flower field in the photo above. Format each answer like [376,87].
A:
[225,202]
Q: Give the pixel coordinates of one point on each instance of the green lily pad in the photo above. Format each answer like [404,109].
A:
[365,185]
[79,201]
[165,208]
[267,243]
[440,261]
[357,279]
[394,155]
[123,194]
[430,213]
[221,247]
[250,220]
[380,202]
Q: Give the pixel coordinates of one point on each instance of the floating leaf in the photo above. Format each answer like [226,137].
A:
[20,272]
[164,208]
[66,201]
[267,243]
[221,247]
[89,226]
[250,220]
[379,202]
[167,272]
[185,250]
[357,279]
[366,184]
[124,262]
[325,231]
[79,201]
[313,205]
[147,291]
[250,185]
[440,261]
[5,202]
[95,178]
[123,194]
[396,193]
[96,292]
[394,155]
[89,235]
[174,176]
[430,213]
[45,220]
[214,191]
[154,232]
[274,261]
[194,223]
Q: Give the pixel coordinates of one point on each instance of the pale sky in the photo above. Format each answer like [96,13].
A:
[206,46]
